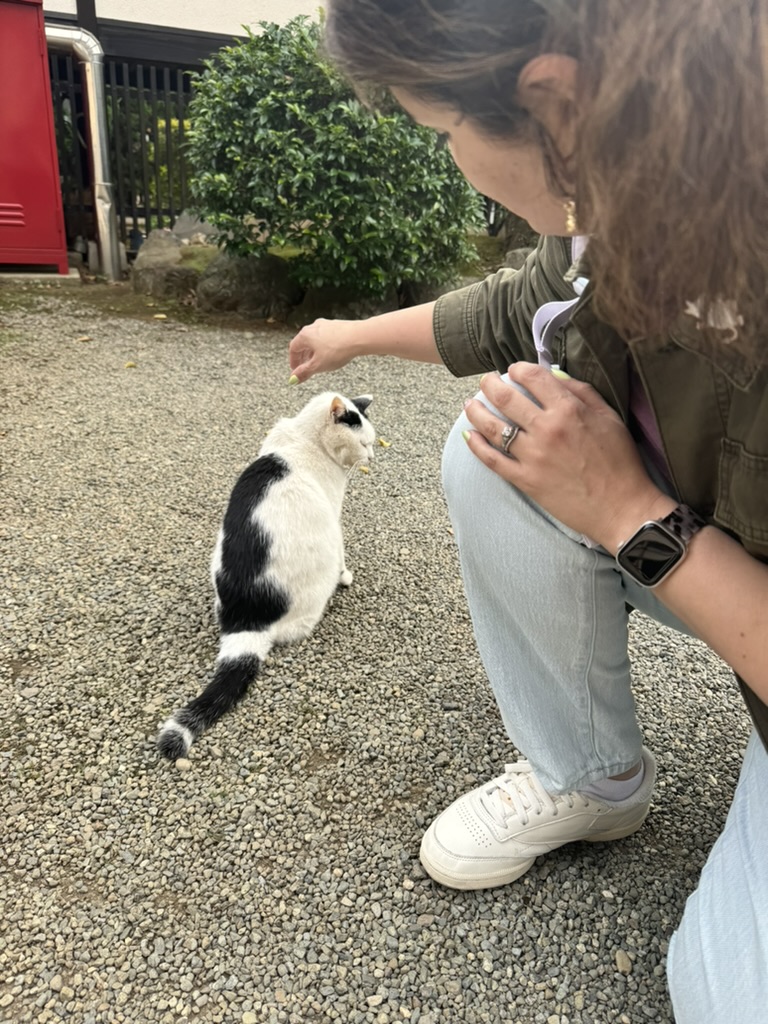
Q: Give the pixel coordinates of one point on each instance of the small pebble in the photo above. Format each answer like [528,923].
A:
[623,962]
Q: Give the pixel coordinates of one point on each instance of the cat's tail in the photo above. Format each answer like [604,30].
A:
[237,665]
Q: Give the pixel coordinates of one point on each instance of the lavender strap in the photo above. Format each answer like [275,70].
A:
[549,318]
[547,321]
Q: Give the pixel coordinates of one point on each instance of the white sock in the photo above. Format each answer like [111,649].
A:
[616,790]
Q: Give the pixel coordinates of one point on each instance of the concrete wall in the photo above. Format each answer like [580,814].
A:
[223,17]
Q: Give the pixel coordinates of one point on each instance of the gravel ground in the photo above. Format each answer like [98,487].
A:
[274,877]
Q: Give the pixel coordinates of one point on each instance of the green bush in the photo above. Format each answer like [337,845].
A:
[284,158]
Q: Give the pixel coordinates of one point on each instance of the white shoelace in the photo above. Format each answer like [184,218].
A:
[519,793]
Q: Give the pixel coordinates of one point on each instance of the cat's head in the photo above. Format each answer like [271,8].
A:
[344,428]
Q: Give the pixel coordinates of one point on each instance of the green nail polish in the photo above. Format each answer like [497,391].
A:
[560,374]
[465,435]
[294,379]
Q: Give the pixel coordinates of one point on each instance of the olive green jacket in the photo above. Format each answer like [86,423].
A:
[713,419]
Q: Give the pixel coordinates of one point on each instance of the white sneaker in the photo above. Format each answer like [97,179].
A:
[492,835]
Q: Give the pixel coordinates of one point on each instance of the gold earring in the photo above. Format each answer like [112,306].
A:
[570,216]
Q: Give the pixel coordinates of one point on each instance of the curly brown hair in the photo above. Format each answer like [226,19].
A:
[670,173]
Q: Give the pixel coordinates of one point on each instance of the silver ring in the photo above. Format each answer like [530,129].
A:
[508,435]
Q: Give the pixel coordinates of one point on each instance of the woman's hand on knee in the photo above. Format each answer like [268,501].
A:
[572,455]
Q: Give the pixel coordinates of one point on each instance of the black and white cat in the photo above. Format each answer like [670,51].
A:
[280,551]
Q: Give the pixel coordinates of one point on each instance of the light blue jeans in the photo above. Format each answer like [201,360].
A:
[550,620]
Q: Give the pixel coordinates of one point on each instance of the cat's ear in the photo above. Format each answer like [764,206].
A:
[362,402]
[338,409]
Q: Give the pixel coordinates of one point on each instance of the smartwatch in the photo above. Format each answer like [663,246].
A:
[659,546]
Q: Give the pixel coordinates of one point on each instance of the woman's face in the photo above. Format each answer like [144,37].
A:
[512,173]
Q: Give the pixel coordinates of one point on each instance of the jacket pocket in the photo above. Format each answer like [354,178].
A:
[742,500]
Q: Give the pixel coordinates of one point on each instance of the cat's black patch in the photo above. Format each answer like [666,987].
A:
[351,418]
[248,601]
[246,547]
[251,487]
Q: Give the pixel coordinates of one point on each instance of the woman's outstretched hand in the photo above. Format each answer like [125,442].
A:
[573,454]
[320,347]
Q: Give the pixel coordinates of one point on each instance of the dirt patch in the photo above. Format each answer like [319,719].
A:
[121,300]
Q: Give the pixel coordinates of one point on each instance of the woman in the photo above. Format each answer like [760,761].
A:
[622,458]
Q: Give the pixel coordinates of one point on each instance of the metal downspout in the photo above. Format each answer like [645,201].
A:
[88,51]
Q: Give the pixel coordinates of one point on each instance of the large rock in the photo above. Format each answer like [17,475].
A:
[161,248]
[254,286]
[188,227]
[157,269]
[163,282]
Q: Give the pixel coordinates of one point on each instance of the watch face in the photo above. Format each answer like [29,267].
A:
[650,555]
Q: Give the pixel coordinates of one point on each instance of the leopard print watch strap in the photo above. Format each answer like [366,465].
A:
[683,522]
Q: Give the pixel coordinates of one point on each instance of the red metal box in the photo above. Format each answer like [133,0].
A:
[31,217]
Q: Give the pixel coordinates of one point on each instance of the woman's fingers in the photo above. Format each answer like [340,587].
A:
[509,400]
[492,427]
[301,367]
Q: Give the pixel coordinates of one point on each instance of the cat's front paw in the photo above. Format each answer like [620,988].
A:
[345,580]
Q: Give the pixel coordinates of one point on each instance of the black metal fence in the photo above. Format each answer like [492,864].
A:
[147,122]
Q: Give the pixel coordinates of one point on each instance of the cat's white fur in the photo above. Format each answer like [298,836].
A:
[302,515]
